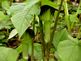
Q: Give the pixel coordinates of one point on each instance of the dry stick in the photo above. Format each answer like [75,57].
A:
[55,25]
[42,42]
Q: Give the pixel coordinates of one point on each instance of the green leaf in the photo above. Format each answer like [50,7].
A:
[4,21]
[60,36]
[46,18]
[47,30]
[49,3]
[15,8]
[26,45]
[69,50]
[5,4]
[5,24]
[79,11]
[33,7]
[38,51]
[8,54]
[35,10]
[31,2]
[23,19]
[12,33]
[19,48]
[73,18]
[3,16]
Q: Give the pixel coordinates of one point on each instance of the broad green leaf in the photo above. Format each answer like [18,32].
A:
[49,3]
[69,50]
[35,10]
[8,54]
[47,30]
[15,8]
[19,48]
[4,21]
[38,51]
[33,7]
[31,2]
[5,4]
[46,18]
[60,36]
[23,19]
[5,24]
[73,18]
[26,45]
[3,16]
[12,33]
[79,11]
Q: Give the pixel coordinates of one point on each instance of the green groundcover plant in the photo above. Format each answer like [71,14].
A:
[40,30]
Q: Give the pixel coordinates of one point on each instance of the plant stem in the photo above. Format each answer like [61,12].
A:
[32,57]
[42,41]
[53,32]
[48,51]
[56,21]
[78,8]
[11,2]
[67,15]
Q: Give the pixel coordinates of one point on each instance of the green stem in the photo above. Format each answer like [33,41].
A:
[32,57]
[78,8]
[66,14]
[56,21]
[42,41]
[76,15]
[11,1]
[53,32]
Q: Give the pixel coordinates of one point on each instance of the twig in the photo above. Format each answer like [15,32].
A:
[55,25]
[43,42]
[32,57]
